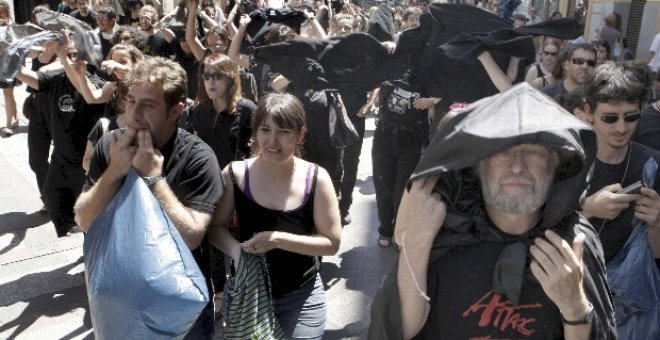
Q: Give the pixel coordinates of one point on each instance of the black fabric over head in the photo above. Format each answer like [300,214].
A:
[355,62]
[521,115]
[87,41]
[13,56]
[262,21]
[381,23]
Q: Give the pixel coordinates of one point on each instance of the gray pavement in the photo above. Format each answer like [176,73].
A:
[42,292]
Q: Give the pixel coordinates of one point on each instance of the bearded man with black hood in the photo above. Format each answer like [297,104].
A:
[491,245]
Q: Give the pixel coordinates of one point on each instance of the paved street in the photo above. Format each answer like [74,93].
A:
[42,293]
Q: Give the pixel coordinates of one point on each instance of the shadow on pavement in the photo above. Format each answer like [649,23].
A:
[18,223]
[366,186]
[49,305]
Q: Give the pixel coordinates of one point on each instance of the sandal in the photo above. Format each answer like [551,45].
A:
[384,241]
[6,131]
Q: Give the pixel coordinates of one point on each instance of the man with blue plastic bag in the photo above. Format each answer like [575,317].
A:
[622,201]
[178,168]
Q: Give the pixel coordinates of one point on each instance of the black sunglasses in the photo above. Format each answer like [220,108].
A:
[214,75]
[73,55]
[580,61]
[611,119]
[551,54]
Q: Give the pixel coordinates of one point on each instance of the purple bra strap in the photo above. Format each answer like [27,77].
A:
[308,179]
[246,190]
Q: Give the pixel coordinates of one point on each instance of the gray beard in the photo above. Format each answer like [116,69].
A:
[522,205]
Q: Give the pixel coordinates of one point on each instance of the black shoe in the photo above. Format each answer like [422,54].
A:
[345,219]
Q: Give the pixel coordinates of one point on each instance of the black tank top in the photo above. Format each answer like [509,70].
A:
[288,271]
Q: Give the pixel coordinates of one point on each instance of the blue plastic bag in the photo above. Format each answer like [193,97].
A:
[635,282]
[142,280]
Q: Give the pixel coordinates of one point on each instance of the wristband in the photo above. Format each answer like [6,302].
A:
[151,180]
[586,319]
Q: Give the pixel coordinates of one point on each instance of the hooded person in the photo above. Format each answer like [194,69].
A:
[499,250]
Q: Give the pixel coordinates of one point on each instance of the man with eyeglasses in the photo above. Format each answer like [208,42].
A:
[614,96]
[577,68]
[157,46]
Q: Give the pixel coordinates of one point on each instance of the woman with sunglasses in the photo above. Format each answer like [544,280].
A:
[221,116]
[549,56]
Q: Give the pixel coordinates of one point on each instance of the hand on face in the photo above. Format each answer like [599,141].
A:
[559,269]
[148,161]
[122,151]
[421,212]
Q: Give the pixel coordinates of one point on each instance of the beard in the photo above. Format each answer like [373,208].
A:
[522,203]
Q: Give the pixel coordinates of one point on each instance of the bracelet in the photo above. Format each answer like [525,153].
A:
[587,318]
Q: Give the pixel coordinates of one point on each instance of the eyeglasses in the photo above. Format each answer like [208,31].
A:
[550,54]
[214,75]
[611,119]
[581,61]
[72,55]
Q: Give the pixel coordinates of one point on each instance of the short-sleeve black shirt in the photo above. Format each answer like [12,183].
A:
[614,233]
[190,168]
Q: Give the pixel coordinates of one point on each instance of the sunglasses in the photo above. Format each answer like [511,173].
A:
[580,61]
[214,75]
[550,54]
[611,119]
[72,55]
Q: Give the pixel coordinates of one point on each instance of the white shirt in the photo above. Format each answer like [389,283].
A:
[654,64]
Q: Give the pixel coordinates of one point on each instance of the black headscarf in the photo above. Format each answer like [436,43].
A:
[521,115]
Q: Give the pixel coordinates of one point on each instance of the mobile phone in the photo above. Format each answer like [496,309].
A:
[634,188]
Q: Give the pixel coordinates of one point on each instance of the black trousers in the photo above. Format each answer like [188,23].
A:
[350,161]
[63,184]
[39,139]
[321,152]
[395,154]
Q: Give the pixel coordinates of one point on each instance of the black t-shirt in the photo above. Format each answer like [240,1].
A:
[129,21]
[106,45]
[464,305]
[648,128]
[555,90]
[189,64]
[190,170]
[614,233]
[396,104]
[157,46]
[90,19]
[189,167]
[227,134]
[71,117]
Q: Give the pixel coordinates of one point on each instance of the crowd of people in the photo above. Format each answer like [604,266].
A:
[243,159]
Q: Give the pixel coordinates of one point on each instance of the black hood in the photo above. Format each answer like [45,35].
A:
[522,115]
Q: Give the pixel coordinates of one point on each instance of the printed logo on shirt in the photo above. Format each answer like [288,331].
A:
[65,103]
[401,101]
[498,312]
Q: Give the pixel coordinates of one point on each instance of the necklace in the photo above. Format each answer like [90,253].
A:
[625,172]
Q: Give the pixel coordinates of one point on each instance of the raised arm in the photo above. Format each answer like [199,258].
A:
[234,51]
[501,80]
[195,45]
[320,32]
[29,77]
[421,214]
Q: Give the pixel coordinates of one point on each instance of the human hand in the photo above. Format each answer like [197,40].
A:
[308,14]
[62,44]
[425,103]
[421,212]
[390,46]
[148,161]
[260,243]
[606,203]
[559,269]
[647,207]
[244,20]
[122,152]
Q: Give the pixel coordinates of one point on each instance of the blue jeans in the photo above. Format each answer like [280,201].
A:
[302,312]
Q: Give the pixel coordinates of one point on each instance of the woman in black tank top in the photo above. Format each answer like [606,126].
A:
[287,210]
